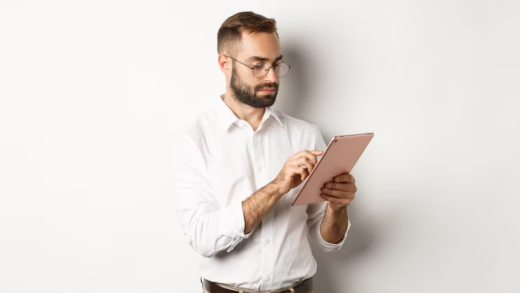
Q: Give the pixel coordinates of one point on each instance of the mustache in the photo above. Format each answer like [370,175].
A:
[266,85]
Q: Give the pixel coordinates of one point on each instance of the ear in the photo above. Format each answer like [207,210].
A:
[224,62]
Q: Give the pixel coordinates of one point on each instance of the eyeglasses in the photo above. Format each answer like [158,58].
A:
[261,69]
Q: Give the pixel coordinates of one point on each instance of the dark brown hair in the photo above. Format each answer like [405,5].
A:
[229,35]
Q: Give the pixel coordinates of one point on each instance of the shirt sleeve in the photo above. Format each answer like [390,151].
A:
[316,212]
[208,227]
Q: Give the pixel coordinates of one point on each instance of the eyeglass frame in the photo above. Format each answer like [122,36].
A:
[268,69]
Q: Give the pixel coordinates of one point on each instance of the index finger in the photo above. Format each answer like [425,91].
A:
[311,155]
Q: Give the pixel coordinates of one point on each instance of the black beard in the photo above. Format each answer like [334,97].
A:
[244,94]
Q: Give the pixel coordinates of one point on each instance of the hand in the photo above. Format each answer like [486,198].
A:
[288,177]
[340,191]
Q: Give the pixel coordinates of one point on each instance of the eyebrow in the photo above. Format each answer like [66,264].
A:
[256,58]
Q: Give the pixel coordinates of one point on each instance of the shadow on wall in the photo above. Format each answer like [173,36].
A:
[333,268]
[294,95]
[345,270]
[359,243]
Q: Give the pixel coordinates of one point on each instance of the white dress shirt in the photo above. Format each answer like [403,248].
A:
[219,161]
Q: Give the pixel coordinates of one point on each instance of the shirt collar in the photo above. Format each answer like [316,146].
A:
[226,117]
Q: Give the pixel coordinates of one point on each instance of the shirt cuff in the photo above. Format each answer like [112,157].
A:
[330,247]
[237,223]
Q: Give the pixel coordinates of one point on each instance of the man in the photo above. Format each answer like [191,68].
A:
[236,170]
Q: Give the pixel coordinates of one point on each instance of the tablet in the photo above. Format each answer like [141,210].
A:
[341,155]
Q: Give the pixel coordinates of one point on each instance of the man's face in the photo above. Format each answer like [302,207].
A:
[248,89]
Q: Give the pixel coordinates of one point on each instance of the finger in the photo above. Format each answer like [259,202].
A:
[299,170]
[340,193]
[304,162]
[305,173]
[311,155]
[334,193]
[335,200]
[344,178]
[315,152]
[295,170]
[340,186]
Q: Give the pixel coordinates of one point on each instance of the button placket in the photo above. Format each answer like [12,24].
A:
[261,180]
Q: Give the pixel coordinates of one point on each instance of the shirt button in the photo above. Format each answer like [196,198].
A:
[267,279]
[260,168]
[267,241]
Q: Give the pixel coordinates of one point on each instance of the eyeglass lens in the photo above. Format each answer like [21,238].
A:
[262,68]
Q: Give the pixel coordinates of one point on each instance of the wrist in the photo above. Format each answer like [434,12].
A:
[274,189]
[336,210]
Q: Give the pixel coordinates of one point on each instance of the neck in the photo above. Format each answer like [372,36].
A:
[251,115]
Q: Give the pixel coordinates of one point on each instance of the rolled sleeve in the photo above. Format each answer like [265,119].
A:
[236,220]
[209,227]
[326,246]
[316,213]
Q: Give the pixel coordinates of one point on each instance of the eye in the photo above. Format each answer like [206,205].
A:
[260,66]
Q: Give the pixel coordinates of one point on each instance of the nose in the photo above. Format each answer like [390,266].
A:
[271,76]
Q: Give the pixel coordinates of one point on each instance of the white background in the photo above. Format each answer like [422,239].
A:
[90,92]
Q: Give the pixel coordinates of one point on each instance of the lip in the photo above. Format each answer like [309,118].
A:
[267,90]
